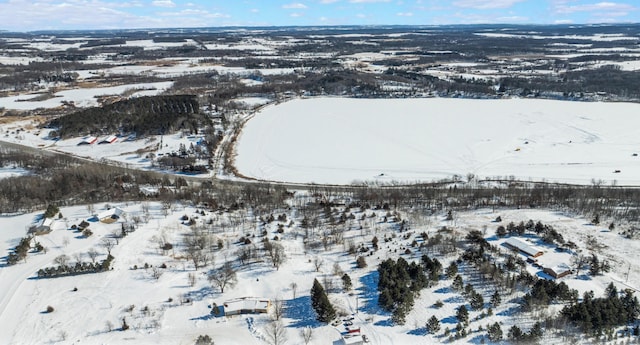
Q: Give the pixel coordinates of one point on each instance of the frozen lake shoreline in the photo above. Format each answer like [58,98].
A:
[344,140]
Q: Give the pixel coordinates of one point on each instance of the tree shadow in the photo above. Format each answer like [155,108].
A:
[454,299]
[368,294]
[422,331]
[199,295]
[478,339]
[446,289]
[450,320]
[384,323]
[301,312]
[509,312]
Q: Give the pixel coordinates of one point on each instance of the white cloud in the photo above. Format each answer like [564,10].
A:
[328,1]
[512,19]
[367,1]
[611,7]
[485,4]
[295,5]
[27,15]
[163,3]
[296,15]
[404,14]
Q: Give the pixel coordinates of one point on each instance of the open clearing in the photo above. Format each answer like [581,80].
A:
[343,140]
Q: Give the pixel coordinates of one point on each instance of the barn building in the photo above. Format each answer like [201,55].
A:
[523,247]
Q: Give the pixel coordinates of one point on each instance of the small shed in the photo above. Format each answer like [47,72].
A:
[558,271]
[109,140]
[90,140]
[352,340]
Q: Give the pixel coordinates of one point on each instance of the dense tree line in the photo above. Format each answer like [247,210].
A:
[77,269]
[545,292]
[59,180]
[20,251]
[595,315]
[142,116]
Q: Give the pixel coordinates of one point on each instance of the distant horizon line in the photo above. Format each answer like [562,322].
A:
[343,26]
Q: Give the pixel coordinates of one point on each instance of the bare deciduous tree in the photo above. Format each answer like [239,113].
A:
[307,334]
[317,263]
[223,277]
[61,260]
[278,308]
[294,287]
[198,245]
[275,252]
[192,279]
[93,254]
[156,273]
[108,244]
[276,333]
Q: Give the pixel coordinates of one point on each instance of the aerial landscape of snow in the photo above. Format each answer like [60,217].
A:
[169,310]
[320,141]
[343,141]
[82,97]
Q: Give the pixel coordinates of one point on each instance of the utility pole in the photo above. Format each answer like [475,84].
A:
[628,271]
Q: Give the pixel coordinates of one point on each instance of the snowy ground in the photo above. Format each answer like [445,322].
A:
[82,97]
[158,311]
[341,141]
[123,152]
[9,171]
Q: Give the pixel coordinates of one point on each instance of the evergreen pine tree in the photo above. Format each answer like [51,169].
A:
[433,325]
[346,282]
[494,332]
[496,299]
[321,304]
[462,314]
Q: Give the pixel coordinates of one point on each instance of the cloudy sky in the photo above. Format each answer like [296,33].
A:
[26,15]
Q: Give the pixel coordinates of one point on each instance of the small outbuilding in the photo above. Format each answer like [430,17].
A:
[90,140]
[558,271]
[109,140]
[352,339]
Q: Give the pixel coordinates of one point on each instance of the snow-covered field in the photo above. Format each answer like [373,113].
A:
[170,310]
[9,171]
[82,97]
[341,140]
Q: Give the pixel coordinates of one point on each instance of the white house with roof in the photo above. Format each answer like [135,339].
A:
[523,247]
[246,305]
[111,215]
